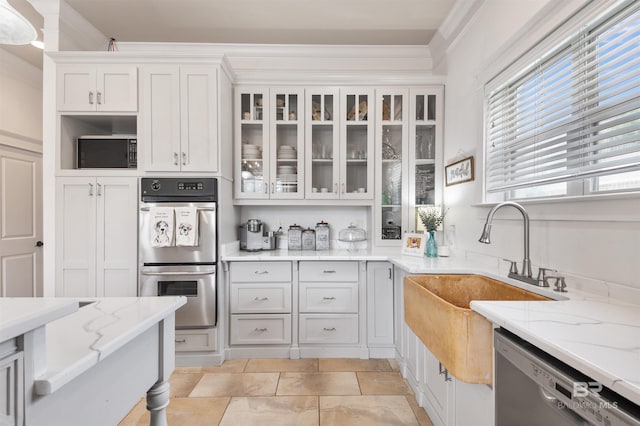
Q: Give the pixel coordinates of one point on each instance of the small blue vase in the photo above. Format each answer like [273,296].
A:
[432,247]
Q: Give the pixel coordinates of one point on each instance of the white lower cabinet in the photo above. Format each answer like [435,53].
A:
[11,385]
[96,237]
[260,303]
[196,340]
[380,318]
[328,328]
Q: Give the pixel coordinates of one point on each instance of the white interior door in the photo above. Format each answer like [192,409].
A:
[20,223]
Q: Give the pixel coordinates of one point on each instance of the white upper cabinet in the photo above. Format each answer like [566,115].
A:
[356,143]
[269,143]
[178,116]
[100,88]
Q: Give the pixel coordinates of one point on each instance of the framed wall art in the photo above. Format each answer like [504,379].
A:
[459,172]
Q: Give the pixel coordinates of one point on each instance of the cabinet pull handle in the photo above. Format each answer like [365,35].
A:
[344,190]
[184,159]
[99,191]
[444,371]
[272,188]
[181,341]
[175,158]
[90,190]
[329,298]
[99,97]
[261,299]
[390,273]
[261,272]
[260,330]
[90,98]
[335,188]
[329,329]
[328,271]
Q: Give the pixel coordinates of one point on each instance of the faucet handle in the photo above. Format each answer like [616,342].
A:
[513,269]
[561,285]
[542,276]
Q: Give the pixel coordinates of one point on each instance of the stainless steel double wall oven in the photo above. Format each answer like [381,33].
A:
[181,270]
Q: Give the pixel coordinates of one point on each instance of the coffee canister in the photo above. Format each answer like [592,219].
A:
[308,239]
[322,236]
[294,237]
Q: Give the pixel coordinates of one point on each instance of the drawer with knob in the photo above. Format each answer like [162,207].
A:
[260,272]
[271,329]
[260,298]
[329,297]
[328,271]
[329,328]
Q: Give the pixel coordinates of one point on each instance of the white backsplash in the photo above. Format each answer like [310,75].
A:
[337,217]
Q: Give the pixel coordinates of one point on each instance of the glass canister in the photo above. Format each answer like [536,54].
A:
[294,237]
[322,236]
[308,239]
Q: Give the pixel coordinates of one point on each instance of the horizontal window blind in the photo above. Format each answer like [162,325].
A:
[573,115]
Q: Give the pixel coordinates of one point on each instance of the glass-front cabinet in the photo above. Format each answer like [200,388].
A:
[269,143]
[287,143]
[409,154]
[339,131]
[322,128]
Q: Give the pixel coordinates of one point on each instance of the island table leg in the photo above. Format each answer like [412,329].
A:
[157,402]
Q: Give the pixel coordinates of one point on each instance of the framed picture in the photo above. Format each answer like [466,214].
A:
[458,172]
[414,244]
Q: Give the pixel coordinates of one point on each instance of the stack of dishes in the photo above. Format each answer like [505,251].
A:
[287,152]
[287,179]
[251,152]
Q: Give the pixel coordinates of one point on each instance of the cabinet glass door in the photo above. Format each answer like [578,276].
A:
[425,146]
[252,114]
[392,147]
[356,172]
[322,127]
[287,144]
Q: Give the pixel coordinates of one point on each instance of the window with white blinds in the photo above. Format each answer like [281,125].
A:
[570,124]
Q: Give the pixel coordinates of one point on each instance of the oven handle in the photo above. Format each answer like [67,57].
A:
[200,209]
[207,272]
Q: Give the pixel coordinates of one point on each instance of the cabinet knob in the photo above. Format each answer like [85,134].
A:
[39,244]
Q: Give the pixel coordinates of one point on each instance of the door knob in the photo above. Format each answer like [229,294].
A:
[39,244]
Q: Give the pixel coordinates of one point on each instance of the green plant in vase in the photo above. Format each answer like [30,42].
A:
[431,218]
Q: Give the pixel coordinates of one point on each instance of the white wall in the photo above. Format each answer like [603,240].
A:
[594,243]
[20,102]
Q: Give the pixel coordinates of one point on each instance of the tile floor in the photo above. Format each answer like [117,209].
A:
[278,392]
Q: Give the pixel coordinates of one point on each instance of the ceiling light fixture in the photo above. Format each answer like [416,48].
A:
[14,28]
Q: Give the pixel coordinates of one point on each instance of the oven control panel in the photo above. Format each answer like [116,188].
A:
[178,189]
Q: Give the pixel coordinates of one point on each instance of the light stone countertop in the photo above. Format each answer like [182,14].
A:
[596,335]
[19,315]
[76,342]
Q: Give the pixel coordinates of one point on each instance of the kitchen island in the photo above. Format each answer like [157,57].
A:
[72,365]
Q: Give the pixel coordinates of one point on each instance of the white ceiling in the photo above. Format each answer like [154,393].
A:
[343,22]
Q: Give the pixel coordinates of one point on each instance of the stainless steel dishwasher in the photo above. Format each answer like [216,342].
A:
[533,388]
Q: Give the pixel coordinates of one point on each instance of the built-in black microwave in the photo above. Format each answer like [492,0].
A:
[107,151]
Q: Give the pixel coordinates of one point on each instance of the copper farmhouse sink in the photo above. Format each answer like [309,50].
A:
[436,308]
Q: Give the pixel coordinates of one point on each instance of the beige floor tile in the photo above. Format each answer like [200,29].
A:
[181,384]
[421,415]
[233,384]
[307,365]
[182,370]
[229,366]
[280,410]
[191,412]
[389,383]
[353,364]
[394,365]
[340,383]
[365,410]
[136,414]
